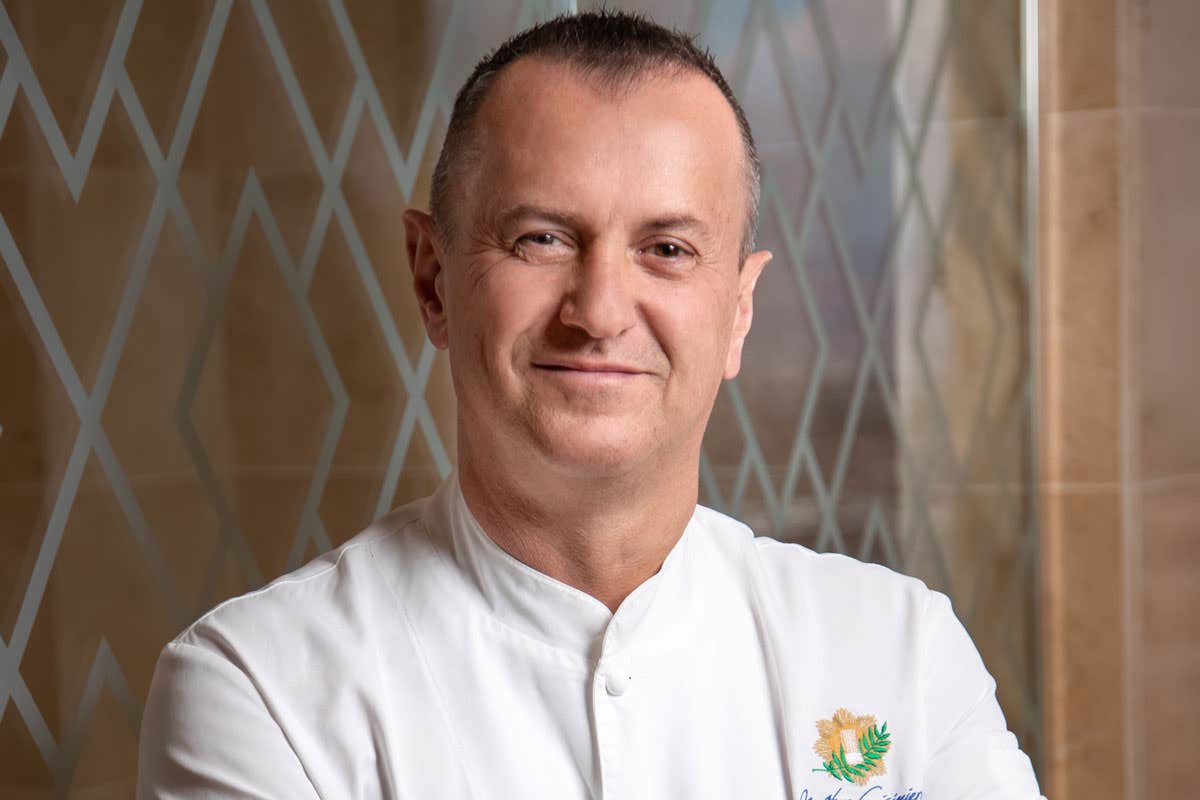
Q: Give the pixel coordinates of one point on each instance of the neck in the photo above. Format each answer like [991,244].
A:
[602,535]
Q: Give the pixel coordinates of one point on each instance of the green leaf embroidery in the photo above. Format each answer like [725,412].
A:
[872,746]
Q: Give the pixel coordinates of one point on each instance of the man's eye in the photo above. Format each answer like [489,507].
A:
[542,246]
[667,250]
[540,239]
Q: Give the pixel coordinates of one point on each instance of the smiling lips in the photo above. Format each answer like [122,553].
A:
[590,366]
[595,374]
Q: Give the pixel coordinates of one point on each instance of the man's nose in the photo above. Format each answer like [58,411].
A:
[599,300]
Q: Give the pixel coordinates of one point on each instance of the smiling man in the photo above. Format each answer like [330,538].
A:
[561,619]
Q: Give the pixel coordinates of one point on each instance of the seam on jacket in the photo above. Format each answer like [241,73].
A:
[266,707]
[922,678]
[760,585]
[989,687]
[283,580]
[429,674]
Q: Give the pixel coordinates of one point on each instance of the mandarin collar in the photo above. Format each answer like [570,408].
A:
[555,613]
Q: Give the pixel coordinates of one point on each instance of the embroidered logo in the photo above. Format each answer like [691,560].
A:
[851,747]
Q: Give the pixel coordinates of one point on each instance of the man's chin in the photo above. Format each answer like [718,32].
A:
[594,453]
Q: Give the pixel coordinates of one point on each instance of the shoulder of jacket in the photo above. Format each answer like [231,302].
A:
[832,591]
[280,604]
[787,566]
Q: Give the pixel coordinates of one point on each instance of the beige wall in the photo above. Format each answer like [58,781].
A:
[1120,383]
[1165,116]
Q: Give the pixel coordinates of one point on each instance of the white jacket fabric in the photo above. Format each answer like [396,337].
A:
[419,660]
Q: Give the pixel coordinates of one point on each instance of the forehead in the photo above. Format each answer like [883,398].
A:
[547,132]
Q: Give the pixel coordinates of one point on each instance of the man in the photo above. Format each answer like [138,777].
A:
[561,620]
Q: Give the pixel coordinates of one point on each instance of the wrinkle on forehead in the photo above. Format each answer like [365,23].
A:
[574,139]
[685,94]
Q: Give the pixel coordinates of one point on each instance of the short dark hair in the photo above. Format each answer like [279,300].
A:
[616,48]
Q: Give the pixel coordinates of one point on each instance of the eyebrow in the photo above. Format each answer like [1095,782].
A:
[528,210]
[677,222]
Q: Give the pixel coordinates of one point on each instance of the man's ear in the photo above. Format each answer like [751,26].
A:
[752,268]
[425,259]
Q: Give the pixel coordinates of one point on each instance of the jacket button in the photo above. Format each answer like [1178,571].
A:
[616,683]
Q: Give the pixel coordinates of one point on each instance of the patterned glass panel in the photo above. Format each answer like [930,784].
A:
[212,368]
[884,408]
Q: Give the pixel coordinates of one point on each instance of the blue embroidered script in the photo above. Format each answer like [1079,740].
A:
[875,792]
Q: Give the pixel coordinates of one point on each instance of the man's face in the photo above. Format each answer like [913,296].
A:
[591,298]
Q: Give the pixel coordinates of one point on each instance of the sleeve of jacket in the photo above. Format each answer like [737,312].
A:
[972,754]
[206,733]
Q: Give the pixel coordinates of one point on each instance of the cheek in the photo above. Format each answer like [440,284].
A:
[693,328]
[502,310]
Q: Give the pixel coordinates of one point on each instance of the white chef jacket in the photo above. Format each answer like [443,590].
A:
[419,660]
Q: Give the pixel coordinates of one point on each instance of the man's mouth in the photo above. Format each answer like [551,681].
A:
[599,367]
